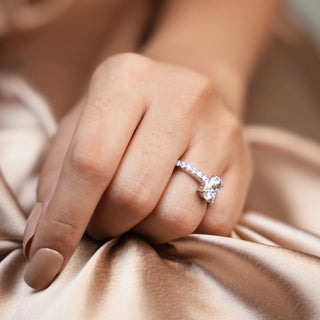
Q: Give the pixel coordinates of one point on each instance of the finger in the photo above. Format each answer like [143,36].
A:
[221,218]
[143,173]
[105,127]
[54,159]
[50,173]
[181,209]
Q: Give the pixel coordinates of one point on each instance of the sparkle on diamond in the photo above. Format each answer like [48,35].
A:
[211,188]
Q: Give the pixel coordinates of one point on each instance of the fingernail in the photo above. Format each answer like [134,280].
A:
[31,228]
[43,268]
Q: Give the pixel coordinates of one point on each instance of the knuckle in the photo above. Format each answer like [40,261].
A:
[136,197]
[199,91]
[87,162]
[128,59]
[120,65]
[62,231]
[232,127]
[99,73]
[204,88]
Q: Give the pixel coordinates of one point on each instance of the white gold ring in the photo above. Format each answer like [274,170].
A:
[209,186]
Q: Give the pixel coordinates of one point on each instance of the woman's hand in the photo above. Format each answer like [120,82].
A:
[111,167]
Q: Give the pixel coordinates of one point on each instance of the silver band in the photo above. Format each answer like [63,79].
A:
[209,186]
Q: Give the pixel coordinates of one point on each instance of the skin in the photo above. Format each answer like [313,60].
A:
[111,166]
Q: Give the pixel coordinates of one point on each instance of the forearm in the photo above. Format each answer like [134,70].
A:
[222,39]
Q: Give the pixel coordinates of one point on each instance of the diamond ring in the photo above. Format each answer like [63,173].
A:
[209,186]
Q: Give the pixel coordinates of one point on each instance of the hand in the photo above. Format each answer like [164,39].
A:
[111,167]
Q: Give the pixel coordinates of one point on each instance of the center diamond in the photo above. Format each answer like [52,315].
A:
[210,188]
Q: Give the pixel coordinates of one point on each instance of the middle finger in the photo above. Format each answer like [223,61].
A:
[143,173]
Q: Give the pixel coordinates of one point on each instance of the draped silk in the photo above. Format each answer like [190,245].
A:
[269,268]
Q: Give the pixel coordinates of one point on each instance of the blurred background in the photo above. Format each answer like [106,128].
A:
[285,92]
[308,13]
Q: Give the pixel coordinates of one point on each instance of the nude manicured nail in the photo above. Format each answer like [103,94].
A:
[43,268]
[31,228]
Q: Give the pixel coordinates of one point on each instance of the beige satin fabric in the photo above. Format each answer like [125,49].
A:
[268,269]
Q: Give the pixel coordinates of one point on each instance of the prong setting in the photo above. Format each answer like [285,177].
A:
[209,187]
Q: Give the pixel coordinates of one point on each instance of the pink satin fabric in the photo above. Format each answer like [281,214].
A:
[268,269]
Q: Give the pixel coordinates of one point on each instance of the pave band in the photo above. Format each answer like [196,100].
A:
[209,186]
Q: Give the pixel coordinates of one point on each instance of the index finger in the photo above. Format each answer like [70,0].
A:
[100,139]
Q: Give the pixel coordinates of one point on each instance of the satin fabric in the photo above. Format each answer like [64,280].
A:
[269,268]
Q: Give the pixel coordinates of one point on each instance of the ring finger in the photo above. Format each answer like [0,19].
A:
[181,209]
